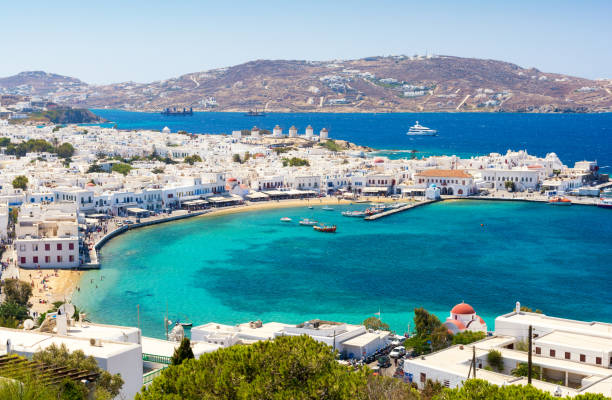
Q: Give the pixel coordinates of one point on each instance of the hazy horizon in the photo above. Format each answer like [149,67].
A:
[150,41]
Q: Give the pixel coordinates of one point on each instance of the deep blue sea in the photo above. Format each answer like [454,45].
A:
[248,266]
[574,137]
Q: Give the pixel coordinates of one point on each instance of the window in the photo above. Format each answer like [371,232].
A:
[70,246]
[22,247]
[47,259]
[35,247]
[598,360]
[582,358]
[71,258]
[59,258]
[552,353]
[47,247]
[59,246]
[568,355]
[35,260]
[23,260]
[423,377]
[538,350]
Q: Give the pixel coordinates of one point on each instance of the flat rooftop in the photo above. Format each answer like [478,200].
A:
[166,348]
[575,340]
[553,323]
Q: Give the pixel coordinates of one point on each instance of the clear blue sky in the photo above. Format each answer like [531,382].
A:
[145,40]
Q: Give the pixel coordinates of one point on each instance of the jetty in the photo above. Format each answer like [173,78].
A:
[398,210]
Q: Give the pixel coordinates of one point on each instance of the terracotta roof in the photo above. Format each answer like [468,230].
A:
[445,173]
[457,323]
[463,308]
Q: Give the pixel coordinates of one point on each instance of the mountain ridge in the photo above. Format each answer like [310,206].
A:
[371,84]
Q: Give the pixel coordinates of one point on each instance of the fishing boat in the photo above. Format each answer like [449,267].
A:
[420,130]
[354,213]
[560,201]
[605,202]
[325,228]
[308,222]
[327,208]
[285,219]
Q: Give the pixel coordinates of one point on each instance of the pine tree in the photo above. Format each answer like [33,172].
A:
[182,353]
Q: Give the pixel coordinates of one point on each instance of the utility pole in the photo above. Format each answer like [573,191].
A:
[474,361]
[529,361]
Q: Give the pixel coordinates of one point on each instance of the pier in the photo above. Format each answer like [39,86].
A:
[398,210]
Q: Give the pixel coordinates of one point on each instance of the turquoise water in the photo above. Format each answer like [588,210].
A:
[247,266]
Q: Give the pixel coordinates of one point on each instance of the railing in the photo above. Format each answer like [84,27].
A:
[155,358]
[149,376]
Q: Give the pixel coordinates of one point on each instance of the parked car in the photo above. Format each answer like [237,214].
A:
[128,221]
[398,352]
[384,362]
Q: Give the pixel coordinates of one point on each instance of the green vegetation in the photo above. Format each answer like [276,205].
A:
[281,150]
[236,158]
[523,370]
[14,308]
[429,327]
[527,309]
[285,368]
[182,353]
[467,337]
[495,360]
[65,116]
[20,182]
[295,162]
[478,389]
[376,324]
[158,170]
[331,145]
[54,307]
[65,150]
[95,168]
[107,385]
[193,159]
[121,168]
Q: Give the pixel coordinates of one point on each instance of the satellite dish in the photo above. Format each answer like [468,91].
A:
[28,324]
[66,309]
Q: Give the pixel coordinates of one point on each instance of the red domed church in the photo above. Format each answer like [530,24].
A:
[463,318]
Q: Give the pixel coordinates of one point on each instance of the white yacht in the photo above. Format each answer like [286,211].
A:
[420,130]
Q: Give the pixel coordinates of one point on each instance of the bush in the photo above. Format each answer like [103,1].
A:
[495,359]
[467,337]
[182,353]
[193,159]
[376,324]
[122,168]
[20,182]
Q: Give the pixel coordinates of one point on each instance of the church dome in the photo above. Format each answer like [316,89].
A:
[462,309]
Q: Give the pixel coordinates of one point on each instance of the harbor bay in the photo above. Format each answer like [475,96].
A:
[248,266]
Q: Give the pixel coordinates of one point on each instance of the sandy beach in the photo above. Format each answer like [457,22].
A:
[49,286]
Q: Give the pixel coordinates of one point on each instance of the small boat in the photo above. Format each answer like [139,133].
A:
[310,207]
[285,219]
[308,222]
[560,201]
[326,208]
[186,324]
[325,228]
[605,202]
[354,213]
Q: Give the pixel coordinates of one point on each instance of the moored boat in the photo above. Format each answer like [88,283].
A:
[560,201]
[325,228]
[285,219]
[326,208]
[420,130]
[308,222]
[605,202]
[354,213]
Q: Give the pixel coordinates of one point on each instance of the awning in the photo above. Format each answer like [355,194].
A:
[257,195]
[136,210]
[375,190]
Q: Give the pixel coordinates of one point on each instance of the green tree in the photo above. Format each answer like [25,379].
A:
[158,170]
[236,158]
[495,359]
[509,186]
[95,168]
[29,388]
[431,389]
[523,370]
[121,168]
[440,338]
[20,182]
[284,368]
[193,159]
[65,150]
[424,322]
[376,324]
[467,337]
[16,291]
[182,353]
[4,141]
[107,385]
[12,314]
[295,162]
